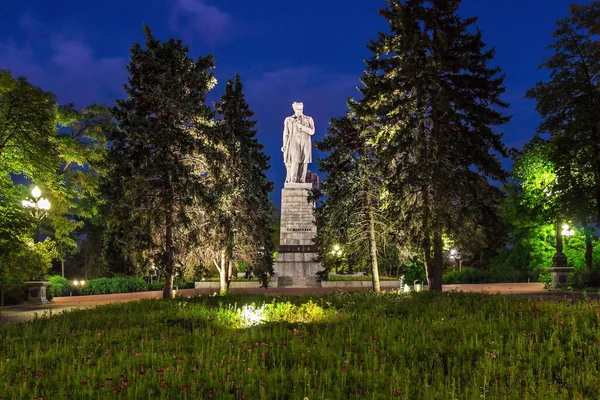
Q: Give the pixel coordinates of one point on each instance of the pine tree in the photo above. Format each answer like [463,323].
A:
[240,227]
[351,212]
[430,102]
[159,153]
[569,102]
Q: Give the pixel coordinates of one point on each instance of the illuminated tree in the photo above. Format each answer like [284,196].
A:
[157,153]
[569,102]
[430,104]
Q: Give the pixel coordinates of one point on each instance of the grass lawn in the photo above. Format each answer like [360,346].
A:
[344,345]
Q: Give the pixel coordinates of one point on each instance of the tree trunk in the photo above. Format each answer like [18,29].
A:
[62,267]
[435,278]
[223,273]
[1,295]
[229,274]
[589,260]
[597,182]
[428,261]
[373,243]
[168,289]
[169,262]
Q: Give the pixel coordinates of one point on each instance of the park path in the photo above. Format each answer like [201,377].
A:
[26,312]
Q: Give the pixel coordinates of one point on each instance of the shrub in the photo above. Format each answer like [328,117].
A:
[14,294]
[494,275]
[114,285]
[413,271]
[156,286]
[579,278]
[59,286]
[359,278]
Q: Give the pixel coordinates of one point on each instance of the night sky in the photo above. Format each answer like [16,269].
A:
[309,51]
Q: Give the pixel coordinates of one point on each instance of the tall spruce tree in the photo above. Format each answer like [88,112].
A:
[430,102]
[241,222]
[569,102]
[351,213]
[159,153]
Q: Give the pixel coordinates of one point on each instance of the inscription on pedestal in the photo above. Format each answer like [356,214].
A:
[289,248]
[297,252]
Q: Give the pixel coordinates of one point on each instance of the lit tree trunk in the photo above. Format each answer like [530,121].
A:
[435,278]
[428,260]
[223,273]
[169,267]
[372,243]
[62,267]
[229,274]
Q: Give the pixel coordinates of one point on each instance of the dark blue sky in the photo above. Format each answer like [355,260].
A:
[309,51]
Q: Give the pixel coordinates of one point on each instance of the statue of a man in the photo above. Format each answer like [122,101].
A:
[297,146]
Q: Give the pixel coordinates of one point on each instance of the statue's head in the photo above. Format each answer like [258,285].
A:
[298,108]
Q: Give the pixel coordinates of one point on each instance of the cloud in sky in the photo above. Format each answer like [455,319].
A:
[323,92]
[71,71]
[196,15]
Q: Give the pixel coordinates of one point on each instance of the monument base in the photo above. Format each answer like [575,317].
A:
[296,263]
[560,277]
[36,292]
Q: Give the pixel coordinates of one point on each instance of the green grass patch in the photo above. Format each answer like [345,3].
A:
[339,346]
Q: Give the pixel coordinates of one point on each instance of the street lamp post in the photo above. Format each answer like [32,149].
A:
[336,252]
[455,255]
[152,272]
[77,284]
[39,207]
[560,268]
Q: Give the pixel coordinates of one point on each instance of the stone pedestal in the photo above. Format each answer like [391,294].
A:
[560,276]
[295,264]
[36,292]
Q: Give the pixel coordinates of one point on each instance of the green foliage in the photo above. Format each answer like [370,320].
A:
[344,278]
[574,248]
[159,159]
[337,346]
[414,270]
[430,105]
[579,278]
[306,313]
[82,146]
[239,225]
[532,242]
[20,258]
[494,275]
[114,285]
[27,130]
[568,102]
[351,214]
[59,286]
[536,177]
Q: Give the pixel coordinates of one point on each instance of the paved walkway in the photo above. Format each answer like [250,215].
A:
[25,312]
